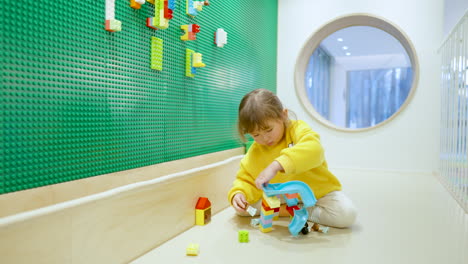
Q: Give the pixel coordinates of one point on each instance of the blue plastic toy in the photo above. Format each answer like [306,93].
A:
[307,196]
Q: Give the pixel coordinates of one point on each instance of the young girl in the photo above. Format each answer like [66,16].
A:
[285,150]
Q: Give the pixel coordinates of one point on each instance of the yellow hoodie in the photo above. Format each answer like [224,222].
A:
[302,157]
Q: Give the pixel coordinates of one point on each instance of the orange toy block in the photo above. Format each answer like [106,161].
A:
[134,4]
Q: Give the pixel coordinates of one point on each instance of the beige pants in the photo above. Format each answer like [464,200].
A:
[334,209]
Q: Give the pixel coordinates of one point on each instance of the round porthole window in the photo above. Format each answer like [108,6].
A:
[356,73]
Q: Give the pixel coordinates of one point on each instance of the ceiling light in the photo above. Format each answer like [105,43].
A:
[339,39]
[348,53]
[345,47]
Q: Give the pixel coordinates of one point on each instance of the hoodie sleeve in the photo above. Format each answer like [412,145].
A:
[305,154]
[244,183]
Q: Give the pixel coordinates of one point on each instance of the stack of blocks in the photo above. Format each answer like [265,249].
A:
[270,211]
[163,12]
[203,211]
[193,7]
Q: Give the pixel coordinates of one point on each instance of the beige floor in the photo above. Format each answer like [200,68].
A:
[403,218]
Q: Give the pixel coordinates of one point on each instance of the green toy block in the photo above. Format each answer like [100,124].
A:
[188,63]
[156,53]
[243,236]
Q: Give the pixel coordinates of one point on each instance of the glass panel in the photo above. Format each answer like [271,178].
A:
[358,77]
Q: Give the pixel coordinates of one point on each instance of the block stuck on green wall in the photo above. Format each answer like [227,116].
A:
[84,102]
[156,53]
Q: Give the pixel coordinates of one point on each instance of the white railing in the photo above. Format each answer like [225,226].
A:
[454,113]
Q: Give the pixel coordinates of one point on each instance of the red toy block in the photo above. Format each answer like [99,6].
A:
[168,13]
[291,209]
[265,205]
[149,23]
[192,36]
[203,203]
[194,28]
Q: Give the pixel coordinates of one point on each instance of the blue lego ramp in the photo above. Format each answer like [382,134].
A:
[291,187]
[307,196]
[298,222]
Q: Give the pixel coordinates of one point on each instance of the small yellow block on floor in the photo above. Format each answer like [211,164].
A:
[193,249]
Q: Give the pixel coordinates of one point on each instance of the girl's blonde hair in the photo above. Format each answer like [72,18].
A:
[256,109]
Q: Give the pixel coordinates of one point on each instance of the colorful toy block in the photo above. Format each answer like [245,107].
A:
[136,4]
[193,7]
[149,23]
[197,61]
[188,63]
[220,37]
[193,60]
[243,236]
[291,209]
[190,31]
[193,249]
[267,212]
[162,14]
[113,25]
[203,211]
[272,201]
[291,196]
[294,190]
[168,13]
[171,4]
[251,210]
[156,53]
[255,222]
[321,229]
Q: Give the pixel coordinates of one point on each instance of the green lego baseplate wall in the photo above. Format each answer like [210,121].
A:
[78,101]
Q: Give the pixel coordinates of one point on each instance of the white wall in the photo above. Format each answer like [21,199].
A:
[411,141]
[453,12]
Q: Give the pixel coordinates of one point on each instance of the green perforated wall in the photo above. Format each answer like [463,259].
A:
[78,101]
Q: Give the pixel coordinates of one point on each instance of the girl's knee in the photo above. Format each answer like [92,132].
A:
[346,217]
[338,214]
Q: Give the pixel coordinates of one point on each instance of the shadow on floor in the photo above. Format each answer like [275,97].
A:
[281,232]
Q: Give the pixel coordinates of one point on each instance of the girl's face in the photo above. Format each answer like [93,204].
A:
[271,135]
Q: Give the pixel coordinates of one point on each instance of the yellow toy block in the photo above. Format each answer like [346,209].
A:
[203,211]
[159,21]
[272,201]
[266,230]
[185,29]
[193,249]
[267,212]
[197,60]
[276,217]
[113,25]
[202,217]
[156,53]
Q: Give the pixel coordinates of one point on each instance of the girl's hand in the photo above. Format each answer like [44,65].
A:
[239,202]
[267,174]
